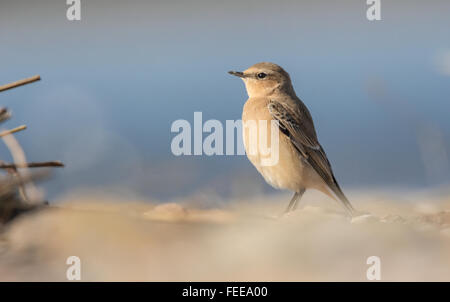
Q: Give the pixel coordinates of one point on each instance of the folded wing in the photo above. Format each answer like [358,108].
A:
[296,123]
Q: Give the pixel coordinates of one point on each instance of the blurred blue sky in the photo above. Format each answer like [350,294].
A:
[115,81]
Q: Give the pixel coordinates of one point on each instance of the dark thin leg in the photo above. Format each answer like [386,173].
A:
[294,201]
[291,203]
[299,196]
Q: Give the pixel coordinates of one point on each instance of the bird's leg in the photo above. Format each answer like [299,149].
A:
[297,200]
[293,202]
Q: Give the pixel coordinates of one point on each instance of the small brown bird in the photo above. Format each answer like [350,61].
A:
[302,162]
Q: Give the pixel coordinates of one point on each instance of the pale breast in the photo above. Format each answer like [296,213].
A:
[289,171]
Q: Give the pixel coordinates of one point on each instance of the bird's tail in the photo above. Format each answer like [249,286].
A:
[348,206]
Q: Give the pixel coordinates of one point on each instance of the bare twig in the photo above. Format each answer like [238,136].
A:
[20,83]
[19,158]
[32,165]
[17,191]
[11,131]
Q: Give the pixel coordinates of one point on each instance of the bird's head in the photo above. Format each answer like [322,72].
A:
[264,79]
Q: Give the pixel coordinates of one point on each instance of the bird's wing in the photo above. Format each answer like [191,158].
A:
[296,123]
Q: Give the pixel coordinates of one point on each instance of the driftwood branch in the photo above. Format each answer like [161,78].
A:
[32,165]
[19,83]
[11,131]
[15,197]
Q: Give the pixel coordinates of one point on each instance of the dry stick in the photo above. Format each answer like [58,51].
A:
[11,131]
[32,165]
[20,83]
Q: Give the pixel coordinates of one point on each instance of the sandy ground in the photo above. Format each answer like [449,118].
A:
[236,240]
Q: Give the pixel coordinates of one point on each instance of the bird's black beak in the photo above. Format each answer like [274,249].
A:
[237,73]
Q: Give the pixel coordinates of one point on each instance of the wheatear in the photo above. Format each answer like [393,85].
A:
[302,162]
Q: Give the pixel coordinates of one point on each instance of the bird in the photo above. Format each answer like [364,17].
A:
[302,162]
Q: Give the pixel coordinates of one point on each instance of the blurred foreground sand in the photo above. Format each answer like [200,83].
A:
[238,240]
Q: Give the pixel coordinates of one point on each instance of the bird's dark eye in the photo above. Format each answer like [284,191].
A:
[261,75]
